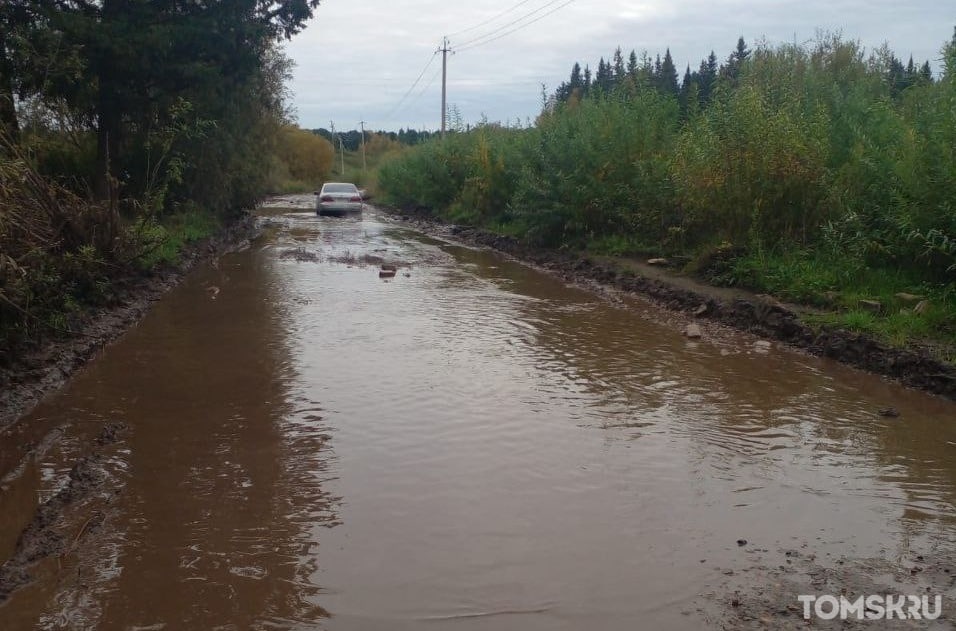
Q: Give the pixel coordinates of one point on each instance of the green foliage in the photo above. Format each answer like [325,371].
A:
[304,159]
[162,243]
[804,171]
[127,131]
[749,170]
[599,168]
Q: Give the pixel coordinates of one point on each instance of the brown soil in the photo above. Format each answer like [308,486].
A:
[44,536]
[24,381]
[759,314]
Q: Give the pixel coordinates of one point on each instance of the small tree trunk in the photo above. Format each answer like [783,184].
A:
[9,125]
[105,184]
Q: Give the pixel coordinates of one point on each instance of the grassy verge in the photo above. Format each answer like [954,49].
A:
[62,255]
[169,237]
[892,304]
[804,174]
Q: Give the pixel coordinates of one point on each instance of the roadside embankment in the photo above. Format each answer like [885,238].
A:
[758,314]
[28,377]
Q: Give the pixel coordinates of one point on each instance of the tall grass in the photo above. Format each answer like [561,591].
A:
[807,164]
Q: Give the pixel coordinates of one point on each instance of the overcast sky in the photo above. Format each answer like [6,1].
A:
[357,59]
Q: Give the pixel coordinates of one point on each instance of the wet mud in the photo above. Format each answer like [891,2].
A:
[288,439]
[45,537]
[754,313]
[23,384]
[24,381]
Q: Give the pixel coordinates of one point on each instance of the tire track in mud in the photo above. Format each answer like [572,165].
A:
[26,379]
[84,500]
[757,314]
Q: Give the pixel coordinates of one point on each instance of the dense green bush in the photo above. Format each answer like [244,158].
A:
[796,147]
[820,168]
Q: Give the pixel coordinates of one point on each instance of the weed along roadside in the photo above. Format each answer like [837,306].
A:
[759,314]
[48,360]
[766,178]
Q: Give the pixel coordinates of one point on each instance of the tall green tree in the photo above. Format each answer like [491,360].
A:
[668,75]
[707,77]
[138,58]
[731,70]
[619,69]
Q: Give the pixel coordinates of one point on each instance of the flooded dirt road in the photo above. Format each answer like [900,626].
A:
[293,442]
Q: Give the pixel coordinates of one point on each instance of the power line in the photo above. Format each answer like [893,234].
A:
[427,85]
[415,83]
[489,20]
[497,32]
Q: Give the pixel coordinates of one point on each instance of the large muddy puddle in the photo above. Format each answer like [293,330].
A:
[470,444]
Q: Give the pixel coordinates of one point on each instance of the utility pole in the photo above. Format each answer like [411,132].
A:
[444,74]
[364,167]
[341,148]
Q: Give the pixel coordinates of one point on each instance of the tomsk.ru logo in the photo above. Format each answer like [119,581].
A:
[872,607]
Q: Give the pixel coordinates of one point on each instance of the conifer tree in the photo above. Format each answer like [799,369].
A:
[684,94]
[604,79]
[619,70]
[668,75]
[577,81]
[706,77]
[731,71]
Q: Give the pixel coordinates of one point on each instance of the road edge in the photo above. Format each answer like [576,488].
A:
[758,314]
[27,380]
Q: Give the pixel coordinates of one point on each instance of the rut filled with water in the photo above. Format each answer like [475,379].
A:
[294,442]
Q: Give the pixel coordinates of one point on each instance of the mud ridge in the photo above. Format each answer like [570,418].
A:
[760,315]
[28,378]
[44,537]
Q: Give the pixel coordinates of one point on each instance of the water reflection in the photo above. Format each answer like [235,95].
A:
[471,444]
[225,465]
[778,414]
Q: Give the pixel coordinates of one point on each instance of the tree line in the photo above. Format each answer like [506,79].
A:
[819,171]
[696,89]
[352,139]
[117,115]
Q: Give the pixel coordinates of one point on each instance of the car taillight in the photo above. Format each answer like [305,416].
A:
[327,198]
[355,198]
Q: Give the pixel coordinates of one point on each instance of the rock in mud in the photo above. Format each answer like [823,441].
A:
[831,296]
[110,433]
[905,297]
[873,306]
[299,254]
[693,331]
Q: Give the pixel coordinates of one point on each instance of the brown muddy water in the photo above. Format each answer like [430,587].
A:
[471,444]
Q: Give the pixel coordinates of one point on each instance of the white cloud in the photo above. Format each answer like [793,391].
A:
[355,61]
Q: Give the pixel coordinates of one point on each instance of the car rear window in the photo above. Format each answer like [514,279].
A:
[339,188]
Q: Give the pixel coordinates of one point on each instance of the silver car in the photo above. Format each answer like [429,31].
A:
[338,198]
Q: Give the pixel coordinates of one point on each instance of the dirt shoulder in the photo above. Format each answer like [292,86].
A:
[759,314]
[27,379]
